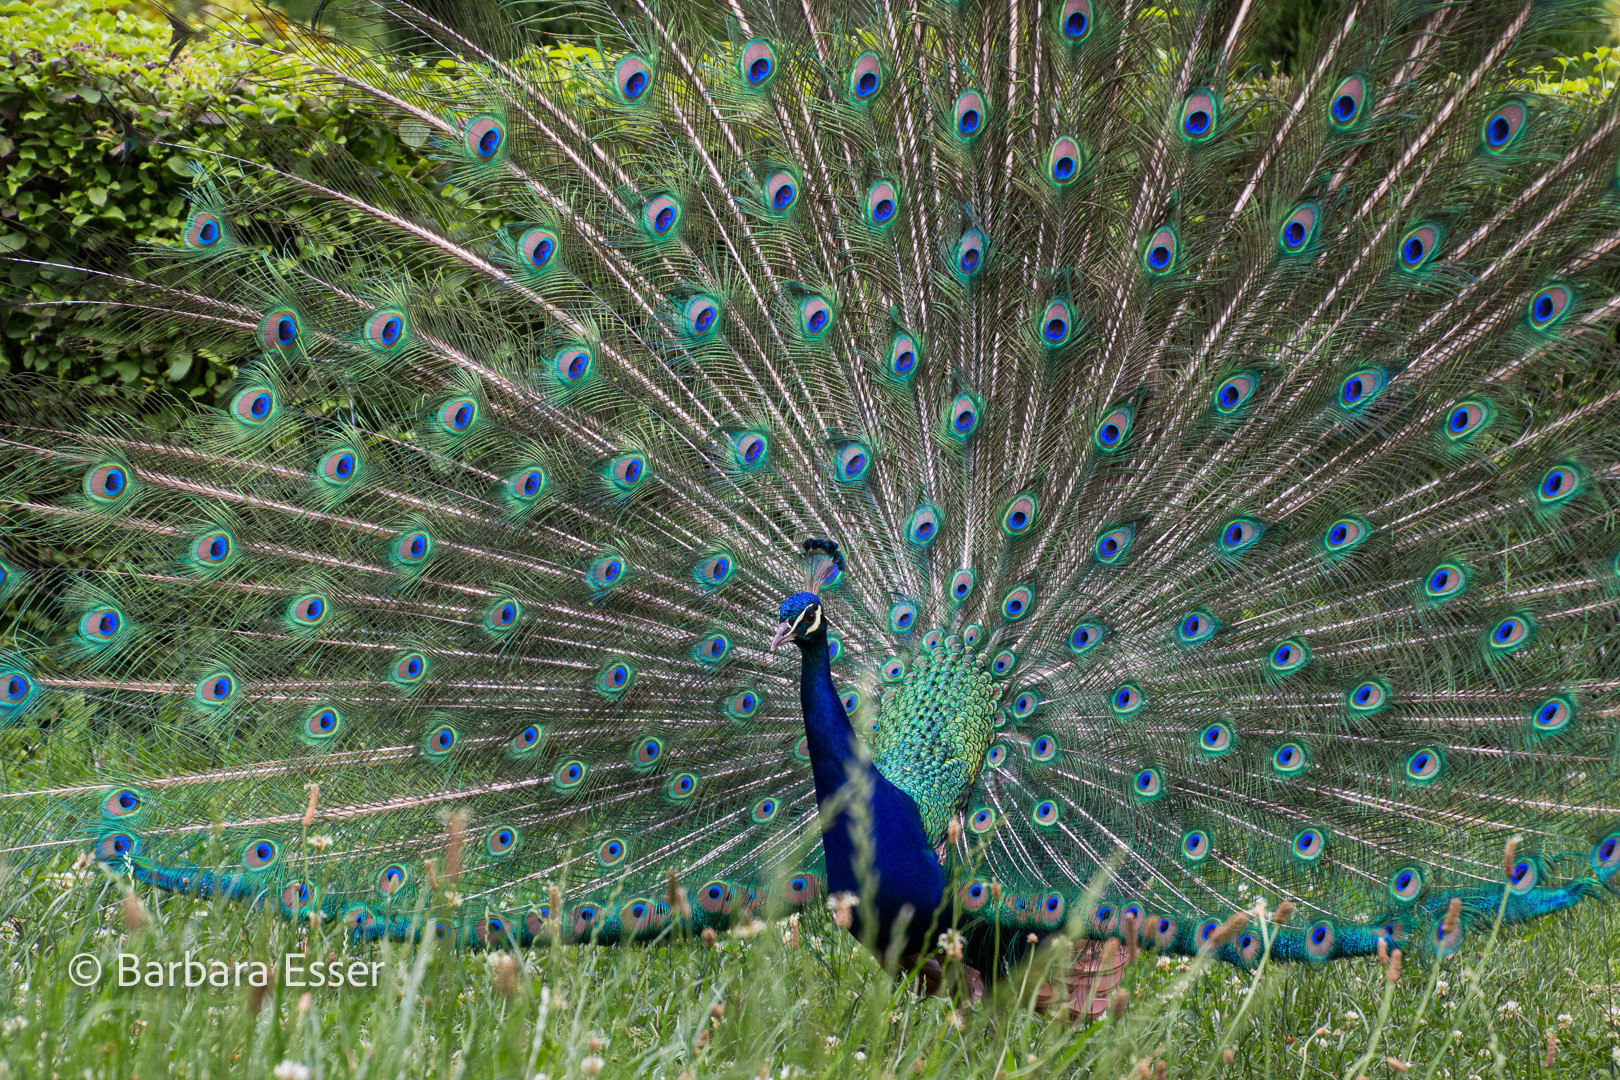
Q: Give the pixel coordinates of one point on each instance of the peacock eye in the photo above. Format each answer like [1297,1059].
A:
[1126,699]
[1159,254]
[484,138]
[866,77]
[853,461]
[1419,246]
[1361,387]
[882,204]
[1074,20]
[1195,626]
[1511,633]
[660,215]
[962,583]
[970,252]
[1113,544]
[815,316]
[1063,161]
[1198,116]
[1215,739]
[970,113]
[1231,395]
[1465,418]
[339,467]
[781,191]
[254,406]
[537,247]
[1085,637]
[1502,127]
[1056,322]
[1344,107]
[924,527]
[963,416]
[632,76]
[457,417]
[1296,233]
[758,63]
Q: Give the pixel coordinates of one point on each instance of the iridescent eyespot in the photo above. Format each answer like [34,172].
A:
[1195,626]
[501,840]
[1232,394]
[1289,656]
[632,76]
[1553,715]
[441,740]
[1289,759]
[1465,418]
[1074,20]
[1406,884]
[458,416]
[216,690]
[1194,848]
[1126,700]
[661,214]
[1344,534]
[1296,233]
[1445,581]
[323,723]
[701,315]
[115,847]
[853,461]
[627,473]
[971,634]
[1419,246]
[526,739]
[970,252]
[902,359]
[1368,697]
[923,528]
[413,547]
[410,668]
[815,315]
[962,416]
[893,670]
[254,406]
[715,569]
[1360,387]
[1063,161]
[1198,116]
[1112,545]
[537,247]
[866,77]
[1424,765]
[970,114]
[1148,784]
[1241,534]
[995,755]
[713,649]
[1017,603]
[835,648]
[260,854]
[744,704]
[681,786]
[1548,306]
[974,895]
[569,775]
[1043,748]
[121,804]
[882,204]
[1558,484]
[1309,844]
[107,483]
[982,820]
[765,810]
[308,610]
[962,583]
[748,449]
[1511,633]
[615,677]
[1045,812]
[612,852]
[279,330]
[339,467]
[901,616]
[1056,323]
[101,625]
[204,231]
[1344,107]
[1019,517]
[1216,739]
[484,138]
[781,191]
[757,63]
[1524,876]
[213,549]
[1159,253]
[1502,127]
[502,615]
[1084,638]
[385,329]
[392,879]
[1320,938]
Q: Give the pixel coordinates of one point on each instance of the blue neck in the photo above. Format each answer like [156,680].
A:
[904,863]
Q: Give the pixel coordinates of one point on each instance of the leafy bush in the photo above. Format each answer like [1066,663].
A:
[91,114]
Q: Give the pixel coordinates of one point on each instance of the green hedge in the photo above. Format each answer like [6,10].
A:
[74,78]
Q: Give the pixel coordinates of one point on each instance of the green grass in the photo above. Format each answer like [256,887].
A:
[821,1008]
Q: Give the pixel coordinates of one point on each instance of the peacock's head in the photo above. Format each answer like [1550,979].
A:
[801,620]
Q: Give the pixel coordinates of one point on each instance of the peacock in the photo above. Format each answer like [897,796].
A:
[1183,486]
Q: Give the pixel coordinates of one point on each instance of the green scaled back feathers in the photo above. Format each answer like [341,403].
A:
[1225,473]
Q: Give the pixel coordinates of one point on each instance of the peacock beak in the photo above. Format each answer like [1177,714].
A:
[784,630]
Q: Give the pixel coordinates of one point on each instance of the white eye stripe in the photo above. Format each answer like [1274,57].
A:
[813,627]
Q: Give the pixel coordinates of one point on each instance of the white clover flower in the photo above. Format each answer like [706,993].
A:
[592,1065]
[1564,1021]
[832,1041]
[1510,1009]
[860,1056]
[292,1070]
